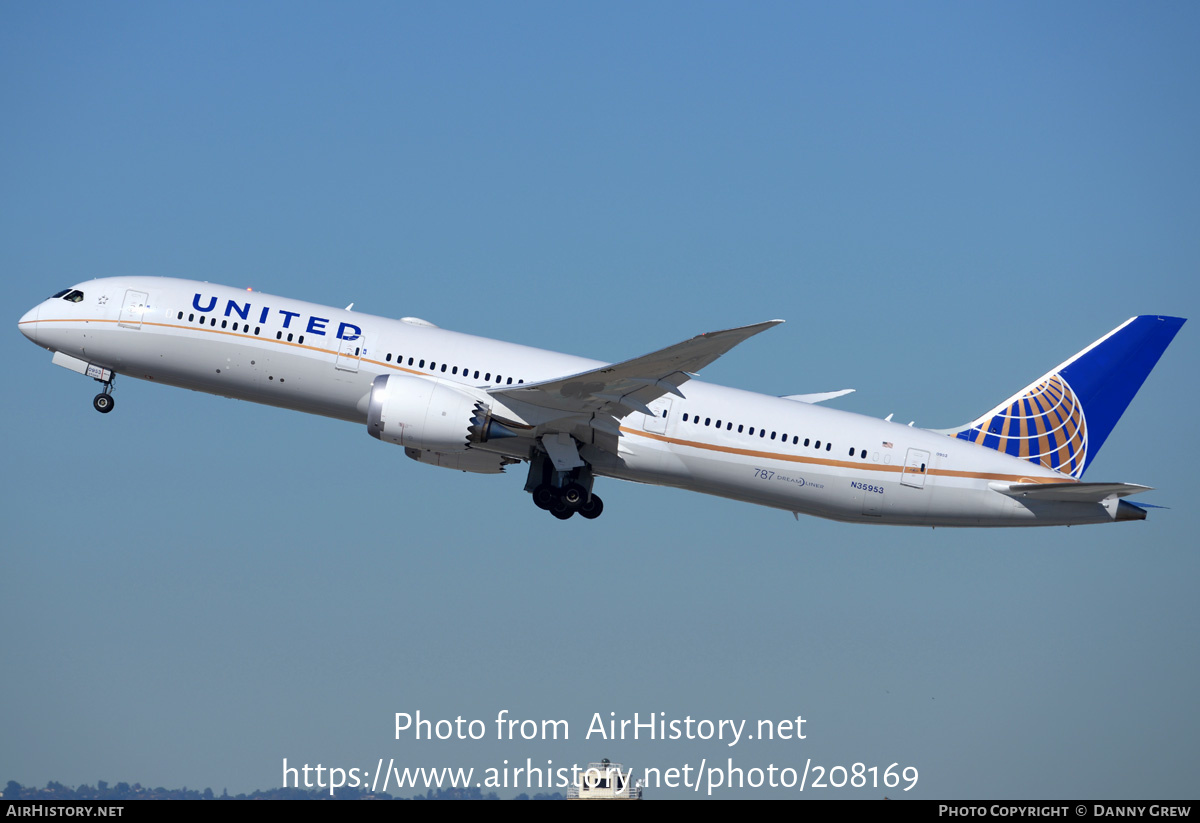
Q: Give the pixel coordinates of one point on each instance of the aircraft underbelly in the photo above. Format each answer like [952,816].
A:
[849,495]
[260,374]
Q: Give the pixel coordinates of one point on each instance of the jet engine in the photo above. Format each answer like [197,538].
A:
[431,415]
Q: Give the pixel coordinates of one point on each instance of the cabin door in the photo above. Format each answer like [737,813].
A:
[350,352]
[657,422]
[133,309]
[916,466]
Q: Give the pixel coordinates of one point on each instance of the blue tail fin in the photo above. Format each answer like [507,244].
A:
[1063,418]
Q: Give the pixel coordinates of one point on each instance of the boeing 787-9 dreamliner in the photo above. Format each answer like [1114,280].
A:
[472,404]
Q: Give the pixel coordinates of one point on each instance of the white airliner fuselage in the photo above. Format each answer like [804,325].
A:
[474,404]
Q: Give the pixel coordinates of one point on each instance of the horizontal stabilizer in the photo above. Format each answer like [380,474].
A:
[1069,492]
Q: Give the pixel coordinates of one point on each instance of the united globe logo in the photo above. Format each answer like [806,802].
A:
[1045,425]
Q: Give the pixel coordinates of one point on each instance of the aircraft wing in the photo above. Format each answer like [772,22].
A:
[620,389]
[1069,492]
[817,397]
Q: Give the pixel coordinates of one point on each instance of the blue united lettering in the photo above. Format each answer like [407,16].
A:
[312,324]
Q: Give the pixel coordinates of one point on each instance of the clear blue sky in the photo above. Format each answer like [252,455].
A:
[943,200]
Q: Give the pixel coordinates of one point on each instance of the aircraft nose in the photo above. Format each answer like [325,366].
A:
[28,323]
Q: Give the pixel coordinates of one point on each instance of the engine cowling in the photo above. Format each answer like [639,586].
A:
[431,415]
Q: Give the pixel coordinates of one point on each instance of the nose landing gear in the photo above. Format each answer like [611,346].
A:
[104,401]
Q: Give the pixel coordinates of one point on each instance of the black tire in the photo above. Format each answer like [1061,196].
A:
[543,497]
[574,496]
[560,509]
[593,508]
[103,403]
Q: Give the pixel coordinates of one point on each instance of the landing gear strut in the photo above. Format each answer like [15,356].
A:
[563,493]
[104,401]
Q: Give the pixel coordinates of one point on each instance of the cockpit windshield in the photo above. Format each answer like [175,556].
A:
[71,295]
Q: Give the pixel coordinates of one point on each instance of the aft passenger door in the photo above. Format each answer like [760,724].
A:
[916,466]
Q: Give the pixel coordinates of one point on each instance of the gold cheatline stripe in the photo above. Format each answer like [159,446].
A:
[245,335]
[845,464]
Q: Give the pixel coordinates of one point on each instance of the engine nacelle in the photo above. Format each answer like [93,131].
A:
[430,415]
[420,413]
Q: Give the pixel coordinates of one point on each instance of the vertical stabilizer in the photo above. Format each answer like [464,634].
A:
[1063,418]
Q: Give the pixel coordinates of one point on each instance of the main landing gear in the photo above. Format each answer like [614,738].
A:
[104,401]
[565,502]
[563,492]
